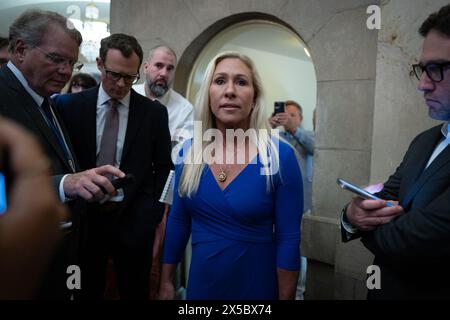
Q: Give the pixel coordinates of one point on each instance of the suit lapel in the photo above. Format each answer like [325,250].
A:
[67,138]
[135,115]
[420,175]
[89,126]
[36,118]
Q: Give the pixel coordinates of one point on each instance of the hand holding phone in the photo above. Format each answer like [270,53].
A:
[122,182]
[359,191]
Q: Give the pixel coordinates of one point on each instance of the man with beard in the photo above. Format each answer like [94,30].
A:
[159,74]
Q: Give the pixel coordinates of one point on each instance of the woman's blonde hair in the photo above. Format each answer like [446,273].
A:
[192,171]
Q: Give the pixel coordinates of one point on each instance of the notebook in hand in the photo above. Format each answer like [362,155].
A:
[167,194]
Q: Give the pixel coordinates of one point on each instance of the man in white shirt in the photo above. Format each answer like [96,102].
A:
[410,239]
[159,75]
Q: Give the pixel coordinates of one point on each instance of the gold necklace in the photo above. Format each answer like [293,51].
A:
[222,175]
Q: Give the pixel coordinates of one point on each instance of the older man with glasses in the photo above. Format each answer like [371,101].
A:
[410,239]
[43,50]
[113,125]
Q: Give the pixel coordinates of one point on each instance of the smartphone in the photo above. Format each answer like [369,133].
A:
[122,182]
[360,192]
[278,107]
[2,194]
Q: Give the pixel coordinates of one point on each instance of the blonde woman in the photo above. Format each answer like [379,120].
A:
[240,198]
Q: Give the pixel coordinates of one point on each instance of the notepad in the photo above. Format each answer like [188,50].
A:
[167,194]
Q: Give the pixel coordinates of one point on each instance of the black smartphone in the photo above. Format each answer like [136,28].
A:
[278,107]
[122,182]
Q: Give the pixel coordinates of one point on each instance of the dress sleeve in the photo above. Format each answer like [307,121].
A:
[178,228]
[288,210]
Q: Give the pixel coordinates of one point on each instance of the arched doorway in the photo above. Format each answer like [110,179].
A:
[281,58]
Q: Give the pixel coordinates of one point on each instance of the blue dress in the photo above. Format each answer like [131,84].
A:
[239,235]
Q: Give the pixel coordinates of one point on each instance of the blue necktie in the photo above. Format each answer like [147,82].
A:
[53,125]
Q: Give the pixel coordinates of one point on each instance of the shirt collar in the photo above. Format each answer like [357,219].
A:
[19,75]
[103,98]
[444,130]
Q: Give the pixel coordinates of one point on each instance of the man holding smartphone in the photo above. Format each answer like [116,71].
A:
[410,240]
[112,124]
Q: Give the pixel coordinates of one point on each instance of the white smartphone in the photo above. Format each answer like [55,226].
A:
[360,192]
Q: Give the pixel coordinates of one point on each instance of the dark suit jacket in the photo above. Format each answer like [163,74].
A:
[18,105]
[413,250]
[146,151]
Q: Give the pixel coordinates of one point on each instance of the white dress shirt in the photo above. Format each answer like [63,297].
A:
[180,111]
[123,110]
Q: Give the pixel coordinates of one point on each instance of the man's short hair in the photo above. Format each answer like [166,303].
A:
[295,104]
[32,25]
[439,21]
[153,49]
[3,42]
[126,44]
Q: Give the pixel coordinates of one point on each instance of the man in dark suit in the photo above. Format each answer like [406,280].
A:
[410,239]
[124,226]
[44,51]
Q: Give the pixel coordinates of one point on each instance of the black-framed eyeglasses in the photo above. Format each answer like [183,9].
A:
[434,71]
[59,60]
[127,78]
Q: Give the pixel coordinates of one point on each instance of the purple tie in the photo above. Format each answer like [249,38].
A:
[107,154]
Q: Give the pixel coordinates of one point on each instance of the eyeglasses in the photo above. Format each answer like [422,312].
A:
[60,61]
[127,78]
[434,71]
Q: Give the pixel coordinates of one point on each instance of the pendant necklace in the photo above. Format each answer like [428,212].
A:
[222,176]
